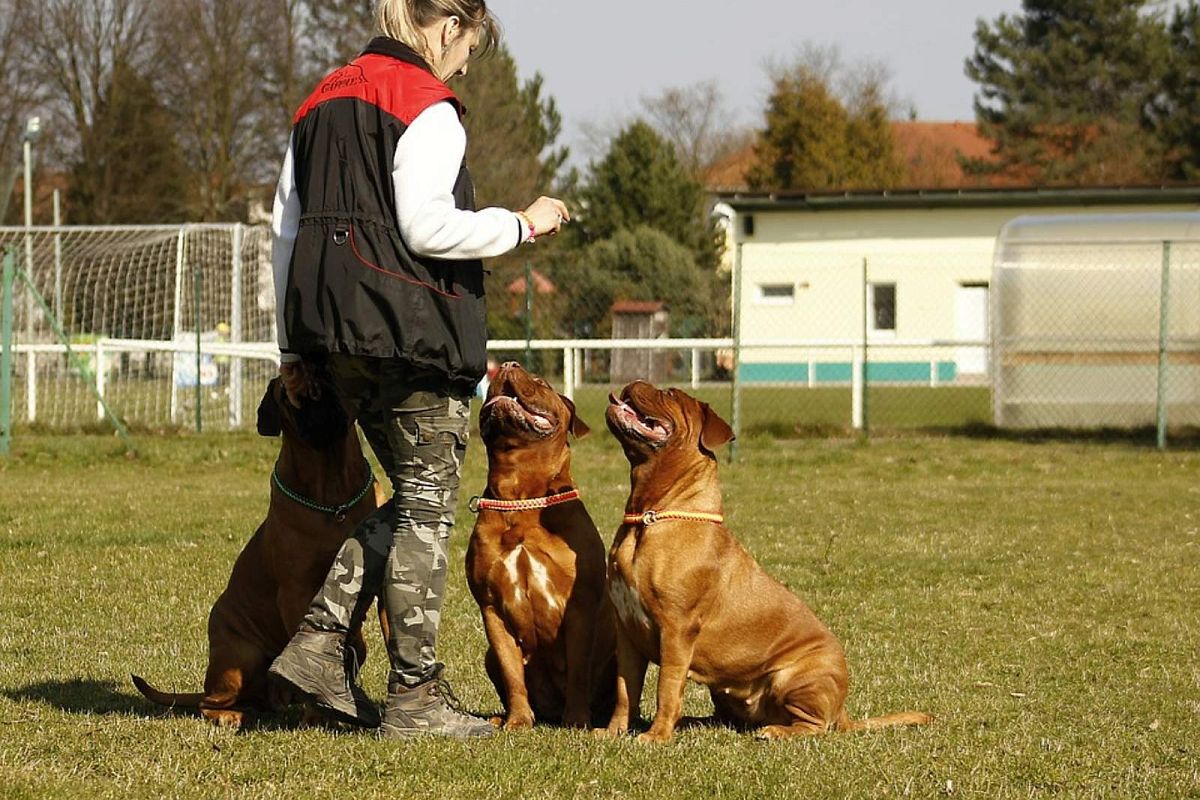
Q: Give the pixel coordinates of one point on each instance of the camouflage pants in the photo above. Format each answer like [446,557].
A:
[418,430]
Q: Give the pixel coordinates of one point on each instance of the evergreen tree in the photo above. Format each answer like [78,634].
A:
[512,129]
[1174,114]
[130,168]
[812,141]
[642,182]
[512,134]
[1063,89]
[874,161]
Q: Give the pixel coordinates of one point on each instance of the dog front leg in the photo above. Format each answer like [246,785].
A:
[631,674]
[676,648]
[580,634]
[519,714]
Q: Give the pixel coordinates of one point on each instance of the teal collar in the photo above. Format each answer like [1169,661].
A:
[338,512]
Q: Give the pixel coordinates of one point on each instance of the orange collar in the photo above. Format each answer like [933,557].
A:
[478,504]
[648,518]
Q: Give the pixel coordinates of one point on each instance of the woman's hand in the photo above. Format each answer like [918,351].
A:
[547,215]
[299,382]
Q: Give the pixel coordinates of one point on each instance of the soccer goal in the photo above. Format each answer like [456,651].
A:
[165,325]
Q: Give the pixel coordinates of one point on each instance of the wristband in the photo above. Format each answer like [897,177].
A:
[528,224]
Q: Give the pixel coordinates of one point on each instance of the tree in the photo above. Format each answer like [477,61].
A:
[130,168]
[813,140]
[1063,89]
[1173,115]
[642,182]
[512,129]
[512,134]
[289,69]
[338,30]
[20,89]
[77,45]
[696,123]
[639,263]
[217,49]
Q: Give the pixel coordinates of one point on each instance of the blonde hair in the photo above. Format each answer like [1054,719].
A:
[403,20]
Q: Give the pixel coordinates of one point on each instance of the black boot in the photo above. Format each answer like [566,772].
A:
[314,664]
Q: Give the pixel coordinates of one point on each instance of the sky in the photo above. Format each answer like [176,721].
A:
[599,59]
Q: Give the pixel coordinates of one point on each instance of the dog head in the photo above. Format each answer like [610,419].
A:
[649,422]
[522,410]
[318,422]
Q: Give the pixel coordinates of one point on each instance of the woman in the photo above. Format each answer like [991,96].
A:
[377,272]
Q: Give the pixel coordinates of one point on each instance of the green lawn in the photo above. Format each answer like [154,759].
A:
[1040,598]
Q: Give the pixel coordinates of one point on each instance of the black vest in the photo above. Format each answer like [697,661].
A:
[353,284]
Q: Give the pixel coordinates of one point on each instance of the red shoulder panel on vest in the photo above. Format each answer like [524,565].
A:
[398,88]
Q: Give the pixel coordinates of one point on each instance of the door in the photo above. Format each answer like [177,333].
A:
[971,324]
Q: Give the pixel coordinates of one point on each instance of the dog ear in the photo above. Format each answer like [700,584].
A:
[269,422]
[715,431]
[579,428]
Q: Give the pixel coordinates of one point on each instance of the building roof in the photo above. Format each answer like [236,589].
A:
[985,197]
[638,306]
[930,151]
[541,284]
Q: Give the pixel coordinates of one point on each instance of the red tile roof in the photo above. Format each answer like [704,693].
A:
[638,306]
[541,284]
[930,151]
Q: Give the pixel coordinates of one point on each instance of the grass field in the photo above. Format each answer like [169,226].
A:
[1040,599]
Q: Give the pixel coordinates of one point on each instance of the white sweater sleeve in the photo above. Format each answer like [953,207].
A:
[424,171]
[285,222]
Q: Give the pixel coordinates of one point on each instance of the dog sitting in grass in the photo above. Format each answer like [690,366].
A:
[535,562]
[690,598]
[321,489]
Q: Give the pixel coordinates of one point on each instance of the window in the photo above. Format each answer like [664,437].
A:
[776,294]
[882,300]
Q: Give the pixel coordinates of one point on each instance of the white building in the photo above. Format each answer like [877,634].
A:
[906,272]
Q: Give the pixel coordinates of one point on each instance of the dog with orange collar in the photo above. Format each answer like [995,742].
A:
[535,563]
[690,598]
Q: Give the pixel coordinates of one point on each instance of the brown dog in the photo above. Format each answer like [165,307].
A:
[689,597]
[535,562]
[285,562]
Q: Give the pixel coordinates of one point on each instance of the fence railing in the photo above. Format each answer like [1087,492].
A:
[223,390]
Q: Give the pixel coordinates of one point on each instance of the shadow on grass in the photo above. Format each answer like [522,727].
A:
[1182,439]
[1147,436]
[86,696]
[82,696]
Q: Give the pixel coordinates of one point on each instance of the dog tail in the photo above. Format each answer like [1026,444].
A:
[888,721]
[167,698]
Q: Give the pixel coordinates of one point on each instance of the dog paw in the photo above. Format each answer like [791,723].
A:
[609,733]
[654,737]
[518,722]
[772,733]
